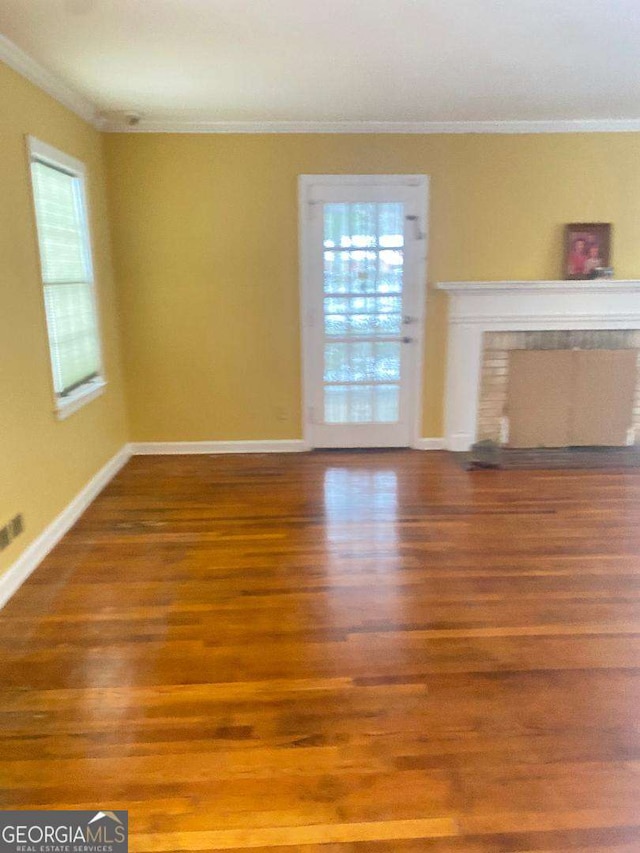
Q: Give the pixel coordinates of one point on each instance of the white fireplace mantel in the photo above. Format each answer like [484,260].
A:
[479,307]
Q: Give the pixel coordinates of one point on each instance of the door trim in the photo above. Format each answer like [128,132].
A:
[305,182]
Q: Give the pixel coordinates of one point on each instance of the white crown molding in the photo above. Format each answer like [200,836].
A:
[16,58]
[35,553]
[20,61]
[168,125]
[189,448]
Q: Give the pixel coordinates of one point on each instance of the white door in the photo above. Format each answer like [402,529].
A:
[363,279]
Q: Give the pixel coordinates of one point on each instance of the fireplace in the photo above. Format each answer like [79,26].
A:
[490,322]
[549,389]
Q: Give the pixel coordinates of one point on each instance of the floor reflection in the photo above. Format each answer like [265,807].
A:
[363,561]
[361,505]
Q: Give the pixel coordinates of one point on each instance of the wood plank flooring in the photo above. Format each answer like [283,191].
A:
[364,652]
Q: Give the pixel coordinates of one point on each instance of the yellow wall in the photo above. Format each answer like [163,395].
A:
[45,462]
[205,247]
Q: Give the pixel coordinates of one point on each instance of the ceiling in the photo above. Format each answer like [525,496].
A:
[318,62]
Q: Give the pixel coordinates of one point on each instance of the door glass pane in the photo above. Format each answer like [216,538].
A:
[362,324]
[336,224]
[391,224]
[389,324]
[361,404]
[361,361]
[386,403]
[387,361]
[390,278]
[336,324]
[336,272]
[363,273]
[336,362]
[336,404]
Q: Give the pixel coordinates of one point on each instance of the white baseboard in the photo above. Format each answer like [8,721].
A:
[430,444]
[173,448]
[459,442]
[293,445]
[31,558]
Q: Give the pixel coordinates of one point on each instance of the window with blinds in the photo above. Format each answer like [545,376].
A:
[67,276]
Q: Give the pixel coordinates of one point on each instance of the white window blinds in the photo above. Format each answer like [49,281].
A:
[65,256]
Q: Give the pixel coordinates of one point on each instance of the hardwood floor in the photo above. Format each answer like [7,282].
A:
[323,652]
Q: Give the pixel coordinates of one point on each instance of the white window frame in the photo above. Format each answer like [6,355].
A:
[42,152]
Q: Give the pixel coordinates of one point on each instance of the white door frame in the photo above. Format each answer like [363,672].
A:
[305,182]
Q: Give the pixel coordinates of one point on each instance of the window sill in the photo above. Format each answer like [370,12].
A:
[79,398]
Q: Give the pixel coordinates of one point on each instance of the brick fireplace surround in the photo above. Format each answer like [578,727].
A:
[489,319]
[494,378]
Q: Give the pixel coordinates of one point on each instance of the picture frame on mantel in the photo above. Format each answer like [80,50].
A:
[587,250]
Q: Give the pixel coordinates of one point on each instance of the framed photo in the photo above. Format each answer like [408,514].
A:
[587,249]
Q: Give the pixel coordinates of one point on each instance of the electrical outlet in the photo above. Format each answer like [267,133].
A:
[5,538]
[16,525]
[11,530]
